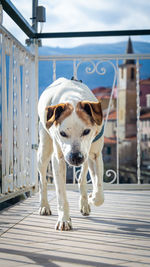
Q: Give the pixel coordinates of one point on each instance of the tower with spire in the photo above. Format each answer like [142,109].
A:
[127,96]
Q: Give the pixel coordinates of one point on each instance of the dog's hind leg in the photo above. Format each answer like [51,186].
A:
[43,157]
[96,172]
[84,206]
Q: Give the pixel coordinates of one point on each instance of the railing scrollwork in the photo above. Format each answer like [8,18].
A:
[109,173]
[94,67]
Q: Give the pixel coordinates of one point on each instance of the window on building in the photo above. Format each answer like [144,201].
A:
[132,74]
[148,100]
[147,123]
[121,115]
[122,73]
[109,150]
[145,137]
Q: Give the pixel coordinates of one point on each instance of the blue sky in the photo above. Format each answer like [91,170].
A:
[86,15]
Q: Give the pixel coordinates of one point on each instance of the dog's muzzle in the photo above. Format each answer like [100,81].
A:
[75,159]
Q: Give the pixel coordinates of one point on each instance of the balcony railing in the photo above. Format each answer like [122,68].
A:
[19,118]
[96,64]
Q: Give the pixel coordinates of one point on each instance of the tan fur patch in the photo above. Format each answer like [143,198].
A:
[56,114]
[68,110]
[90,112]
[83,115]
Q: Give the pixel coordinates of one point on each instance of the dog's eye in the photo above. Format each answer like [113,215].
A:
[62,133]
[86,132]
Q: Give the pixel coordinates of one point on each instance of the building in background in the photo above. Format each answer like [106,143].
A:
[104,93]
[145,138]
[110,141]
[145,93]
[127,118]
[127,97]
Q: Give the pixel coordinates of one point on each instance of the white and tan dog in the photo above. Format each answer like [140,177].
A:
[70,119]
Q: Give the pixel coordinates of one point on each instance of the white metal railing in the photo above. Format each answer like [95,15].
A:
[95,62]
[19,123]
[19,119]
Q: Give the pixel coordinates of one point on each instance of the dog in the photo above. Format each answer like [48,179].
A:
[70,130]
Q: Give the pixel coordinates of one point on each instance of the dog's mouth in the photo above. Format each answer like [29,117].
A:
[75,159]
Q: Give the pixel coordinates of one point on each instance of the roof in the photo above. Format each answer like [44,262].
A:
[145,116]
[104,92]
[113,140]
[104,97]
[109,140]
[101,91]
[112,116]
[131,138]
[146,81]
[129,50]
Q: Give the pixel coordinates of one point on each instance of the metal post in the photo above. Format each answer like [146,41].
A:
[1,13]
[138,121]
[74,69]
[117,134]
[74,175]
[34,116]
[34,8]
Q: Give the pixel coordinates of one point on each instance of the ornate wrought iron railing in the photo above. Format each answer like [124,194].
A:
[95,64]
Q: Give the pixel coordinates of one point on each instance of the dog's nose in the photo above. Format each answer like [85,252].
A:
[76,158]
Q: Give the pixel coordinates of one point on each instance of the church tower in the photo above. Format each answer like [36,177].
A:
[127,96]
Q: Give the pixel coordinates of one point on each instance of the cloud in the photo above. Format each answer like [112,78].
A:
[80,15]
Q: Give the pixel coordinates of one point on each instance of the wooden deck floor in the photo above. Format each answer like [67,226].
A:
[115,234]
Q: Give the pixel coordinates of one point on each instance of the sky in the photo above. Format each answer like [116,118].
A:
[85,15]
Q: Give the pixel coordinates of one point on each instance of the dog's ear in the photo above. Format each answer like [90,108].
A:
[54,113]
[93,109]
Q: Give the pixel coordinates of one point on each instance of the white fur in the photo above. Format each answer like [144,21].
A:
[53,145]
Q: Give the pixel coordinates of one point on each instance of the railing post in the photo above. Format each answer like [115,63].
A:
[117,132]
[34,116]
[34,20]
[4,118]
[54,70]
[74,69]
[1,13]
[74,175]
[138,121]
[1,114]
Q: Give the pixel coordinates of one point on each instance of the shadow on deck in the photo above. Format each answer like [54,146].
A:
[115,234]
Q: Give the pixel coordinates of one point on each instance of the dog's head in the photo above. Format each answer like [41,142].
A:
[74,128]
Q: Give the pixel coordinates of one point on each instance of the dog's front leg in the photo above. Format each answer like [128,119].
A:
[83,204]
[59,171]
[43,157]
[96,172]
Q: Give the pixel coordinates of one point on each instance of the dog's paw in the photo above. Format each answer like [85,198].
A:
[85,210]
[84,207]
[96,198]
[45,210]
[64,225]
